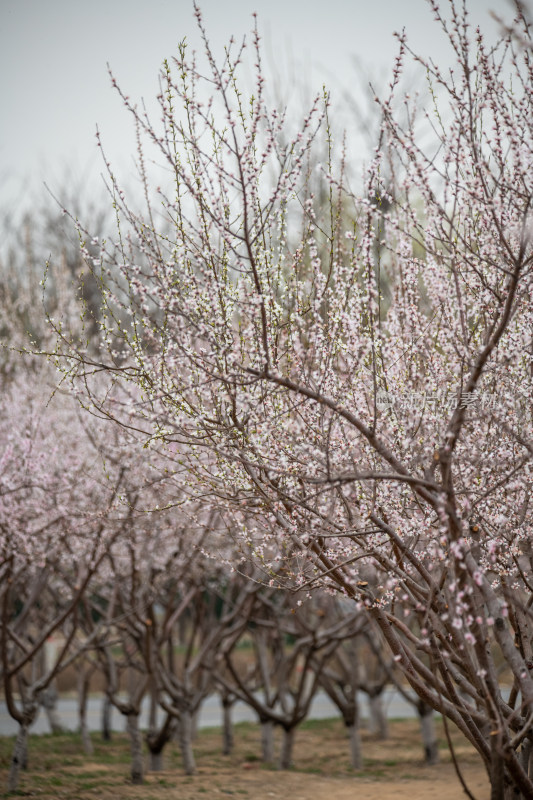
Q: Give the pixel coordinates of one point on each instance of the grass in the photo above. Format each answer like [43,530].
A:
[58,769]
[319,724]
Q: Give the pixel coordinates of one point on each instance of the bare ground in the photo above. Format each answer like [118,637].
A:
[392,769]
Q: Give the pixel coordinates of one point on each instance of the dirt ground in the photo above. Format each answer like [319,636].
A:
[435,784]
[392,770]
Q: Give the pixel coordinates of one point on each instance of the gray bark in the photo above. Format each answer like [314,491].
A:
[185,734]
[498,789]
[194,724]
[156,761]
[377,721]
[106,719]
[19,757]
[429,735]
[152,720]
[356,757]
[86,741]
[136,745]
[227,729]
[175,736]
[83,694]
[267,741]
[287,742]
[48,700]
[526,757]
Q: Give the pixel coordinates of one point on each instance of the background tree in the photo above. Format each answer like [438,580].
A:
[56,522]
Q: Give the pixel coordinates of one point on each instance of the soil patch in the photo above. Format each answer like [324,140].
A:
[392,770]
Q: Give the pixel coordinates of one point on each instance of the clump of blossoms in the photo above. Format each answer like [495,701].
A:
[348,379]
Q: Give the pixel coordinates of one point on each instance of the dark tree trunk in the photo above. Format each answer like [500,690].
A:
[106,719]
[227,727]
[157,739]
[83,695]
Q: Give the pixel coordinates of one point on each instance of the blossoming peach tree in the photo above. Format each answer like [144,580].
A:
[347,376]
[57,522]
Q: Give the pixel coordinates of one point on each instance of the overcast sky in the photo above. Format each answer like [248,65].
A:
[55,87]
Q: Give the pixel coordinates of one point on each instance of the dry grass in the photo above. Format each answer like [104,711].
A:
[392,769]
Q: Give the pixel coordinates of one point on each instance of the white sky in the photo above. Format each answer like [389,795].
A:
[54,86]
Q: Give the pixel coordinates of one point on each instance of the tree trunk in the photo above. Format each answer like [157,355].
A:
[18,758]
[377,722]
[48,700]
[157,740]
[526,756]
[152,719]
[227,728]
[356,757]
[267,741]
[185,734]
[175,735]
[195,718]
[106,719]
[498,790]
[287,742]
[83,695]
[429,735]
[511,793]
[156,761]
[86,741]
[136,745]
